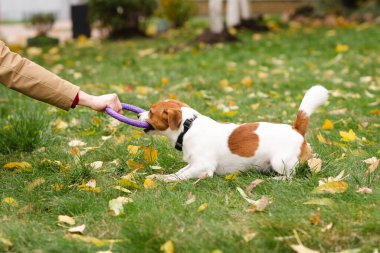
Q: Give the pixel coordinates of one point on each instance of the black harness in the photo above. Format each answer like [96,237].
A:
[186,126]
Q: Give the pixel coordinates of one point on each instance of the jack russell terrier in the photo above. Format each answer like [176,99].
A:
[211,147]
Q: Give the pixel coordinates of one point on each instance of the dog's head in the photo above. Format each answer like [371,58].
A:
[165,117]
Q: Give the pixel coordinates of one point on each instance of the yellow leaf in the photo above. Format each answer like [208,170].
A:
[127,183]
[134,165]
[341,48]
[116,205]
[348,136]
[35,183]
[11,201]
[18,166]
[232,176]
[328,125]
[149,184]
[322,139]
[164,80]
[332,187]
[167,247]
[89,186]
[133,149]
[59,125]
[96,121]
[320,202]
[202,207]
[254,107]
[95,241]
[6,242]
[229,114]
[375,111]
[247,81]
[224,82]
[150,155]
[315,218]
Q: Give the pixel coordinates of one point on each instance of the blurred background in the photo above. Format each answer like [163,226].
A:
[58,21]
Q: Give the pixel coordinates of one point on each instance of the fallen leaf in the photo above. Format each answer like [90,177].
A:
[202,207]
[150,155]
[116,205]
[244,195]
[167,247]
[302,249]
[149,183]
[11,201]
[89,186]
[371,160]
[348,136]
[164,80]
[254,107]
[320,202]
[327,125]
[18,166]
[96,165]
[247,81]
[59,125]
[259,205]
[78,229]
[339,177]
[364,190]
[36,182]
[102,251]
[118,187]
[134,165]
[76,143]
[249,236]
[232,176]
[341,48]
[253,184]
[6,242]
[322,139]
[95,241]
[133,149]
[332,187]
[315,217]
[372,167]
[104,138]
[128,183]
[350,251]
[315,164]
[190,199]
[327,227]
[66,219]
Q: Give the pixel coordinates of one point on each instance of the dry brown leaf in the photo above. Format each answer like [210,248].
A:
[315,217]
[66,219]
[315,164]
[259,205]
[364,190]
[190,199]
[96,165]
[372,167]
[116,205]
[78,229]
[36,182]
[253,184]
[327,227]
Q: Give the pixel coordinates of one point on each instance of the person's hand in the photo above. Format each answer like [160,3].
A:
[99,103]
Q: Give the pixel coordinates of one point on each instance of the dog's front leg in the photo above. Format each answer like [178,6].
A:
[190,171]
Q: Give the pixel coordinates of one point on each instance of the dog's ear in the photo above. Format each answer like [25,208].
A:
[174,118]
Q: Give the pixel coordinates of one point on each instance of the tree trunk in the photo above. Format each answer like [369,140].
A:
[233,13]
[216,15]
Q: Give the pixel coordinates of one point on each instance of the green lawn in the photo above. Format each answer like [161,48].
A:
[281,66]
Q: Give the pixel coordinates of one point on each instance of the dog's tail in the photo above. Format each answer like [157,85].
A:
[314,97]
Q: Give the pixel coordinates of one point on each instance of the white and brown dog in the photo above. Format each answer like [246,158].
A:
[211,147]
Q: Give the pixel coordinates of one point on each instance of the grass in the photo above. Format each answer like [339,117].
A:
[282,66]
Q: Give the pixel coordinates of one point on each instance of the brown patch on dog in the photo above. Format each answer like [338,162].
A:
[305,153]
[300,125]
[166,114]
[243,141]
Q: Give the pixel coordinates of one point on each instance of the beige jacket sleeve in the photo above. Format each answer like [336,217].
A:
[29,78]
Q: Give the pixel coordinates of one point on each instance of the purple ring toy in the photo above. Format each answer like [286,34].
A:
[126,120]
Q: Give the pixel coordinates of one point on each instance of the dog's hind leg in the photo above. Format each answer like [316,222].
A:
[190,171]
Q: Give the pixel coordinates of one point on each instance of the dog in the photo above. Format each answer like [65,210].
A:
[210,147]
